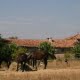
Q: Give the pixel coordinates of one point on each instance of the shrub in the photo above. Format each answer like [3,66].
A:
[67,55]
[76,51]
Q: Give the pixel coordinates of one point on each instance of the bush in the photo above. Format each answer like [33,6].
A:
[76,51]
[67,55]
[19,50]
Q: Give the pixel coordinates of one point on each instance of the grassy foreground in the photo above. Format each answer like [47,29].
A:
[55,71]
[59,74]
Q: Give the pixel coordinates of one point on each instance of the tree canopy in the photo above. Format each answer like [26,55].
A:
[76,50]
[47,47]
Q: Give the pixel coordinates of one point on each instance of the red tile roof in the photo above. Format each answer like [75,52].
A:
[27,42]
[59,43]
[35,43]
[77,36]
[64,43]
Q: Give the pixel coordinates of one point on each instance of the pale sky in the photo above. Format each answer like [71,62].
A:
[39,19]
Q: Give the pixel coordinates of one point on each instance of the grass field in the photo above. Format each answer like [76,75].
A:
[59,74]
[55,71]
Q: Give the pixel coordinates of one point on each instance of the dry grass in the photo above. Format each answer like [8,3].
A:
[61,74]
[56,71]
[72,64]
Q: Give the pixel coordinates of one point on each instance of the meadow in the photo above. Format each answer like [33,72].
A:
[56,70]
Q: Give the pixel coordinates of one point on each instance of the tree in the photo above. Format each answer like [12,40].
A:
[20,50]
[3,46]
[76,51]
[47,48]
[13,37]
[6,51]
[12,49]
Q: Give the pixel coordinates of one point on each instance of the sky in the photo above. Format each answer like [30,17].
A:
[39,19]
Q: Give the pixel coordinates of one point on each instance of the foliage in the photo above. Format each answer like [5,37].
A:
[13,48]
[3,47]
[47,47]
[6,49]
[13,37]
[67,55]
[19,50]
[9,50]
[76,51]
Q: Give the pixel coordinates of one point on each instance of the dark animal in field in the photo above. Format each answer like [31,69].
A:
[22,59]
[40,56]
[6,59]
[67,61]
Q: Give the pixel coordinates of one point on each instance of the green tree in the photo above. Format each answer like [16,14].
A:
[12,49]
[13,37]
[3,44]
[76,51]
[47,48]
[7,49]
[20,50]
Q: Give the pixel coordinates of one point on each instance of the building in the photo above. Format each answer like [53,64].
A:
[61,45]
